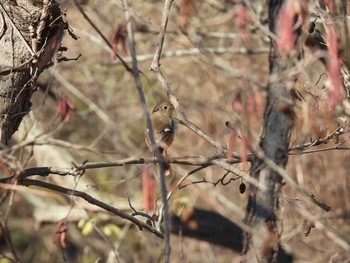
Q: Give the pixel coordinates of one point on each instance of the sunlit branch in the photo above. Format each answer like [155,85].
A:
[192,52]
[91,200]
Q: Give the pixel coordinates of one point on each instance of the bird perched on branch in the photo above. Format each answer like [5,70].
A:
[163,126]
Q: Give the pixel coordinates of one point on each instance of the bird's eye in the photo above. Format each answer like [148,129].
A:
[165,107]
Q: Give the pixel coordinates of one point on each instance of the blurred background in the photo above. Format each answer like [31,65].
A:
[216,62]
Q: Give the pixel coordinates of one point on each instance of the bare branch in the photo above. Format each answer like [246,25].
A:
[281,171]
[126,66]
[321,150]
[91,200]
[138,213]
[192,52]
[155,67]
[200,161]
[157,152]
[330,232]
[339,131]
[7,236]
[219,181]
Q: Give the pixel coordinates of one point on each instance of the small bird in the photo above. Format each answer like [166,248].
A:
[163,126]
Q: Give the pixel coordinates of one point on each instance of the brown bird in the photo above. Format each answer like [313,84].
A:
[163,126]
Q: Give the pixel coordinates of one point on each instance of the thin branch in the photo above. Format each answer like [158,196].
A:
[321,150]
[155,67]
[214,34]
[281,171]
[219,181]
[91,200]
[186,122]
[137,213]
[192,52]
[76,92]
[257,22]
[74,146]
[339,131]
[157,152]
[101,35]
[158,73]
[200,161]
[206,160]
[329,231]
[233,71]
[229,167]
[7,236]
[22,67]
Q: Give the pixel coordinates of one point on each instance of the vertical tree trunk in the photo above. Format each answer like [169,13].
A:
[30,35]
[263,207]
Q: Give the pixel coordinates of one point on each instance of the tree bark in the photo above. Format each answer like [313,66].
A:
[263,206]
[30,35]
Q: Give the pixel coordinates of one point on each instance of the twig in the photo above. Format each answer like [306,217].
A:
[321,150]
[219,181]
[224,65]
[76,92]
[191,52]
[7,236]
[173,100]
[200,161]
[229,167]
[206,163]
[91,200]
[157,152]
[196,170]
[323,226]
[206,160]
[101,35]
[137,213]
[155,67]
[339,131]
[214,34]
[186,122]
[197,160]
[257,23]
[74,146]
[19,68]
[310,196]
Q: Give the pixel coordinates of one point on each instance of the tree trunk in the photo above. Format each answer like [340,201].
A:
[263,206]
[30,35]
